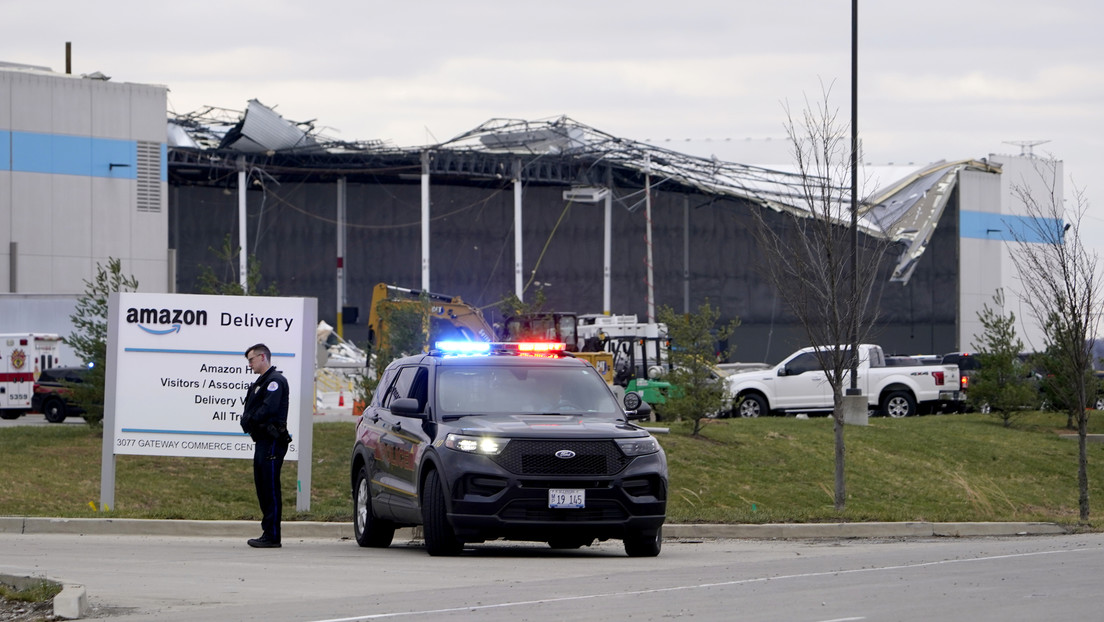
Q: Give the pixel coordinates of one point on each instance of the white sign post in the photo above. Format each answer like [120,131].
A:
[176,376]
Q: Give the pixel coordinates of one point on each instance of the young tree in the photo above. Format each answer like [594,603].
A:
[89,337]
[1062,290]
[809,259]
[693,354]
[1001,382]
[228,284]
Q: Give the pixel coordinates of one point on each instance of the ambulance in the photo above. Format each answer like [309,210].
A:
[23,356]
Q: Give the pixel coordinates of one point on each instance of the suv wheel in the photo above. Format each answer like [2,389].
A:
[369,530]
[643,544]
[54,410]
[440,539]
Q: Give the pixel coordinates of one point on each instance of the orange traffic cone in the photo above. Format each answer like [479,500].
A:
[341,400]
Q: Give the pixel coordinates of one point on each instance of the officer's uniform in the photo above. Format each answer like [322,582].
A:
[265,420]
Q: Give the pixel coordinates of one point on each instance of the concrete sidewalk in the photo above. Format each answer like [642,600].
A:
[307,529]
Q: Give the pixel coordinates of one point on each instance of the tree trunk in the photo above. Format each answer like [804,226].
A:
[841,487]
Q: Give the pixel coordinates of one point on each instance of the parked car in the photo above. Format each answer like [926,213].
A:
[51,392]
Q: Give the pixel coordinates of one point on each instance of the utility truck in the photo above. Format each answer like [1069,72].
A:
[800,384]
[23,356]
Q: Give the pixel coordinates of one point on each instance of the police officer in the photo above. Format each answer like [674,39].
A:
[265,420]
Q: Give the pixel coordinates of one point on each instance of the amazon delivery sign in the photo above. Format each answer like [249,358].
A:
[177,375]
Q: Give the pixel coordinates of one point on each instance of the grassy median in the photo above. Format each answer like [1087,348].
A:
[933,468]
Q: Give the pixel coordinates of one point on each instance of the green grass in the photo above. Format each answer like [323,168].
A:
[934,468]
[39,592]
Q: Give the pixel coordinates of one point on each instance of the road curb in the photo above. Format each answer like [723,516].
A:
[342,530]
[71,602]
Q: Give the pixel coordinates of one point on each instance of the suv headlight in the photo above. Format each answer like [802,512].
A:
[485,445]
[638,446]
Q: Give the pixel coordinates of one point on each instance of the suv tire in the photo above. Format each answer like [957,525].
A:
[369,530]
[440,539]
[644,544]
[54,410]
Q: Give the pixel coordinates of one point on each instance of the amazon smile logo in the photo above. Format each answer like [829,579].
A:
[165,321]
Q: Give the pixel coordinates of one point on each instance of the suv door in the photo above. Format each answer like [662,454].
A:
[402,440]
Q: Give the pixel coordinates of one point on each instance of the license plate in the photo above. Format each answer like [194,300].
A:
[566,498]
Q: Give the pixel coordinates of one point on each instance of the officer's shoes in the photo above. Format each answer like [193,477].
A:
[263,543]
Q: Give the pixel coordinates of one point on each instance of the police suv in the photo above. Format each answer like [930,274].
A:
[515,441]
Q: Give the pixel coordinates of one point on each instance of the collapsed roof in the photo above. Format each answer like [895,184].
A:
[906,211]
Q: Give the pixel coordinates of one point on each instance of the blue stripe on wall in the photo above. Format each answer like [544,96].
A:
[76,155]
[5,150]
[1006,228]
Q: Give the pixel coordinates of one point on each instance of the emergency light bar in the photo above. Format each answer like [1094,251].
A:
[481,347]
[463,347]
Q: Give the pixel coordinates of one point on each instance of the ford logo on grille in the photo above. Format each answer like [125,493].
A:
[565,454]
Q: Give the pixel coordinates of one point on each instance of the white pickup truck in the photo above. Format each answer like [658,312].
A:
[799,384]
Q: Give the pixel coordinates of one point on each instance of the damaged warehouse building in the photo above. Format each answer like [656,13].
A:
[310,201]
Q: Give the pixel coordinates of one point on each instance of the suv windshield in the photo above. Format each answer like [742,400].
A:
[494,389]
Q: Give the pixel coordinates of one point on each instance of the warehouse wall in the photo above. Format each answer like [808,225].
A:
[82,178]
[292,232]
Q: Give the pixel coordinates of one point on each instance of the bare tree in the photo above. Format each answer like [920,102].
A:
[808,258]
[1061,288]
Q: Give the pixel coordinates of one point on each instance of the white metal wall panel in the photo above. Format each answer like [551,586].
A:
[148,118]
[32,103]
[112,210]
[67,274]
[111,111]
[151,274]
[70,218]
[72,107]
[5,104]
[32,196]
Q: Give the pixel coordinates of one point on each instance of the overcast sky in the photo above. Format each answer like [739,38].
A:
[938,80]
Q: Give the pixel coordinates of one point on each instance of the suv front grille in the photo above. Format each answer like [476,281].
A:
[533,457]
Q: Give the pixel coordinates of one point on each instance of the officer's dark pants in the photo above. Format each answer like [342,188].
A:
[268,459]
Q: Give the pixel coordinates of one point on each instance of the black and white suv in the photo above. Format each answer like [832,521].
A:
[505,441]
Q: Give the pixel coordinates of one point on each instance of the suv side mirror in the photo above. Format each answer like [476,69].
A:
[406,406]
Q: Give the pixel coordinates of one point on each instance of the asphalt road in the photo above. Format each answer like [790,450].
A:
[329,579]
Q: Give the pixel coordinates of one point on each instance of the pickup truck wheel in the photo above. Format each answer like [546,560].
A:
[54,410]
[440,539]
[369,530]
[751,405]
[899,404]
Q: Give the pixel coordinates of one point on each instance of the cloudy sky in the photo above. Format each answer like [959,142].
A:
[943,79]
